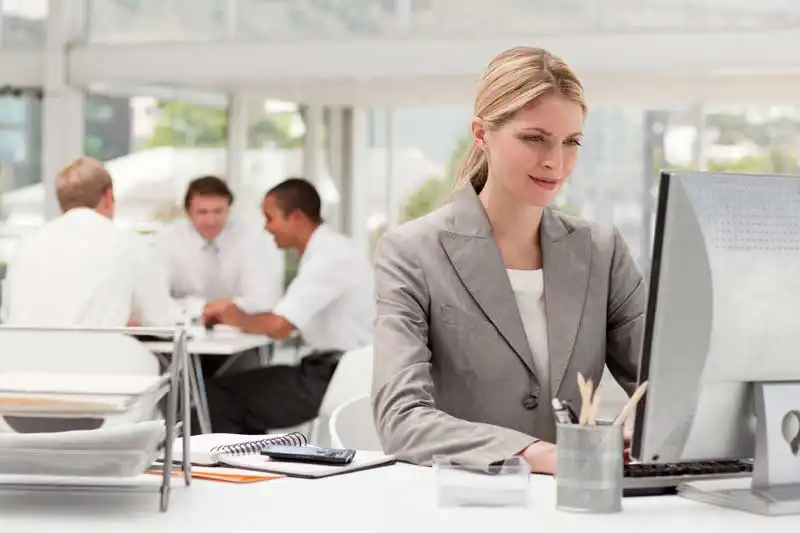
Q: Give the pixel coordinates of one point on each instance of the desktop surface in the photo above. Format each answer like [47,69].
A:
[398,498]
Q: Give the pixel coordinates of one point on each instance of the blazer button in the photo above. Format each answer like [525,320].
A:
[530,401]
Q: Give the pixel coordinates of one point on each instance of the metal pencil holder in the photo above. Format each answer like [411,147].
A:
[589,467]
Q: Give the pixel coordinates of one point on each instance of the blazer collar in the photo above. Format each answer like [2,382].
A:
[566,256]
[467,216]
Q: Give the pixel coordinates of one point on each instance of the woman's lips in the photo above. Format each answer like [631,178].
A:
[544,183]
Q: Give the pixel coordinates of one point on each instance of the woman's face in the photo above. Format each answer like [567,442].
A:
[532,154]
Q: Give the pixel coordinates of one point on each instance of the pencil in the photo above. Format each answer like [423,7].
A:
[626,411]
[585,389]
[592,419]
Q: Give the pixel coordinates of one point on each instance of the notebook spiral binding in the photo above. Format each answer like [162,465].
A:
[253,447]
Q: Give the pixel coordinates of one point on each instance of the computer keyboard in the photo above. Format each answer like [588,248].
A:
[652,479]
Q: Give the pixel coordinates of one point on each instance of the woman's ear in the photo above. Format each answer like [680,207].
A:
[479,132]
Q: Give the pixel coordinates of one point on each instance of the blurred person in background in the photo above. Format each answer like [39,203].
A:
[212,255]
[329,302]
[79,269]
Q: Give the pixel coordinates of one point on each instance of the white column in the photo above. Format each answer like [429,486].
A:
[336,156]
[392,196]
[237,140]
[403,11]
[346,189]
[231,18]
[699,146]
[313,143]
[63,116]
[355,196]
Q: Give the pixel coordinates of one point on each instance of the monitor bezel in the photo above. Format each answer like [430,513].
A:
[650,310]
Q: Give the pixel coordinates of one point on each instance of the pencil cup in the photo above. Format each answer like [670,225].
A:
[589,468]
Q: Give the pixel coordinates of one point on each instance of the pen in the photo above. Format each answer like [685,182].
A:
[571,410]
[561,413]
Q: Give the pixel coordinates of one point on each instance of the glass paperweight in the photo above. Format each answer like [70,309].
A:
[505,484]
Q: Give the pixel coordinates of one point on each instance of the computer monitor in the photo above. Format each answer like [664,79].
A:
[721,346]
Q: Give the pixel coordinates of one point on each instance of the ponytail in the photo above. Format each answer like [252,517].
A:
[474,169]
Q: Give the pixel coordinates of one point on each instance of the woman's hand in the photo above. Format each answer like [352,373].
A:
[541,456]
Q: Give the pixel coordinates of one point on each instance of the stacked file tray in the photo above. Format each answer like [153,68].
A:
[121,451]
[66,431]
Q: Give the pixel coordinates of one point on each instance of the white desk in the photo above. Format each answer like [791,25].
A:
[386,500]
[221,341]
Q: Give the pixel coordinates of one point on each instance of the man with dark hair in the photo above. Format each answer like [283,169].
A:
[209,186]
[298,194]
[330,302]
[210,255]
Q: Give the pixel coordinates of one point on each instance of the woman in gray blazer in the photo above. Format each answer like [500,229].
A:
[490,306]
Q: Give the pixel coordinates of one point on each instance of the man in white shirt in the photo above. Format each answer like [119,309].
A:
[210,256]
[80,269]
[330,302]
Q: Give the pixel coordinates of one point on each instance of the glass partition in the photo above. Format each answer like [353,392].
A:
[21,192]
[153,147]
[171,20]
[22,23]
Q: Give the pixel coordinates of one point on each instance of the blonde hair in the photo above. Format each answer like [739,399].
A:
[82,183]
[514,79]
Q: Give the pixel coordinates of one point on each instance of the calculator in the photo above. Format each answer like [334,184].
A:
[309,454]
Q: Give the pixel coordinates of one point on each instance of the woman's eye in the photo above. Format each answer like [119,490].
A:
[574,142]
[534,138]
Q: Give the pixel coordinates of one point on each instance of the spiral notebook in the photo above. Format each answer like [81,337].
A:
[212,448]
[244,451]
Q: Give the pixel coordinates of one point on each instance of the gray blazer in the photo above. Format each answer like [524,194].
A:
[453,373]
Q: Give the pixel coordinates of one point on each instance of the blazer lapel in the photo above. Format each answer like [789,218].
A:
[476,259]
[567,262]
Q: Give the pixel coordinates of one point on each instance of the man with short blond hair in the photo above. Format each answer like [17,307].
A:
[79,269]
[85,183]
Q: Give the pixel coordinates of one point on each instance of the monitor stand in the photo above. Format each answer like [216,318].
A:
[775,486]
